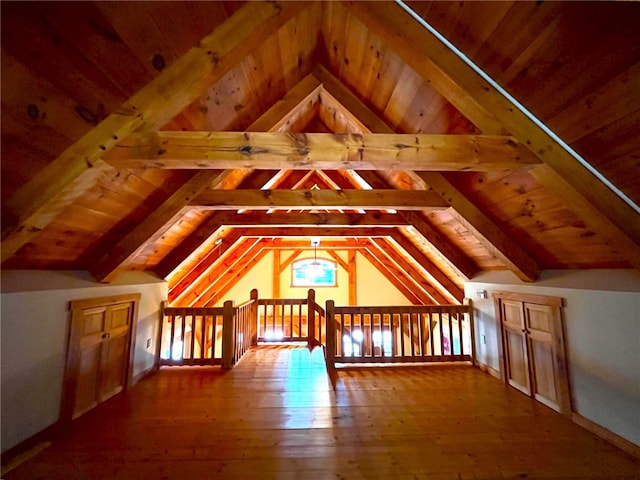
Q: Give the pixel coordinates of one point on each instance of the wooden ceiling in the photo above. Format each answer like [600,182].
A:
[352,121]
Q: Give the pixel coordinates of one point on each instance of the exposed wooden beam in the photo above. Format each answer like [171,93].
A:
[598,206]
[344,243]
[65,179]
[308,219]
[277,269]
[319,199]
[295,254]
[484,229]
[330,151]
[338,259]
[154,226]
[432,270]
[387,249]
[352,273]
[321,232]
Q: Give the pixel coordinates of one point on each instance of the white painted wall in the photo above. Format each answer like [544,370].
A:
[602,324]
[35,321]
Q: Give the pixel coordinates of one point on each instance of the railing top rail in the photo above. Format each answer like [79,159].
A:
[319,309]
[282,301]
[406,309]
[245,304]
[192,311]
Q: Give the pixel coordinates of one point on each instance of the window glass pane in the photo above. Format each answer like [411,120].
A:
[314,273]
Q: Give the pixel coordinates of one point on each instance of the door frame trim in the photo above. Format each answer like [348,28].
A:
[72,361]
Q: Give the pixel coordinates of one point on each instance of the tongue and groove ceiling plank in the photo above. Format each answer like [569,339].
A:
[62,181]
[598,206]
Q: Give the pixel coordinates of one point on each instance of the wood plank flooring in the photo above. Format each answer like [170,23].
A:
[277,416]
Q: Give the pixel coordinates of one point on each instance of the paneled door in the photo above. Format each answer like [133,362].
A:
[532,347]
[100,351]
[516,367]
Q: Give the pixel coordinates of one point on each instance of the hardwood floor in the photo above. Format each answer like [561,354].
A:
[276,416]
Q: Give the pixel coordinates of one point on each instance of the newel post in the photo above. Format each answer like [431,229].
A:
[472,330]
[228,335]
[254,317]
[311,318]
[330,356]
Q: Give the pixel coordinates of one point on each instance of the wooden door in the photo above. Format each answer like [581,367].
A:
[515,346]
[532,347]
[100,352]
[540,334]
[115,358]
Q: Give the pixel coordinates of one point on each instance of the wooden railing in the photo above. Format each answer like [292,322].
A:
[222,335]
[434,333]
[206,336]
[290,319]
[320,326]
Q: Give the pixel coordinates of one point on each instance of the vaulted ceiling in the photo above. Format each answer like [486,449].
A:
[190,138]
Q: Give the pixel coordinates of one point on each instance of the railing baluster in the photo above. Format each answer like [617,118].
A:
[451,343]
[401,333]
[413,342]
[459,318]
[173,333]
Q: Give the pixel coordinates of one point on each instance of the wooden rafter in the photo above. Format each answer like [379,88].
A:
[202,265]
[319,199]
[200,287]
[432,289]
[224,252]
[216,290]
[387,255]
[65,179]
[601,209]
[436,275]
[331,151]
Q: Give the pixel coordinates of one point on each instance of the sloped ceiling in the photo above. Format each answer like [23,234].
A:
[377,134]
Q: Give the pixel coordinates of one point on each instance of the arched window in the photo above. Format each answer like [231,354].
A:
[314,272]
